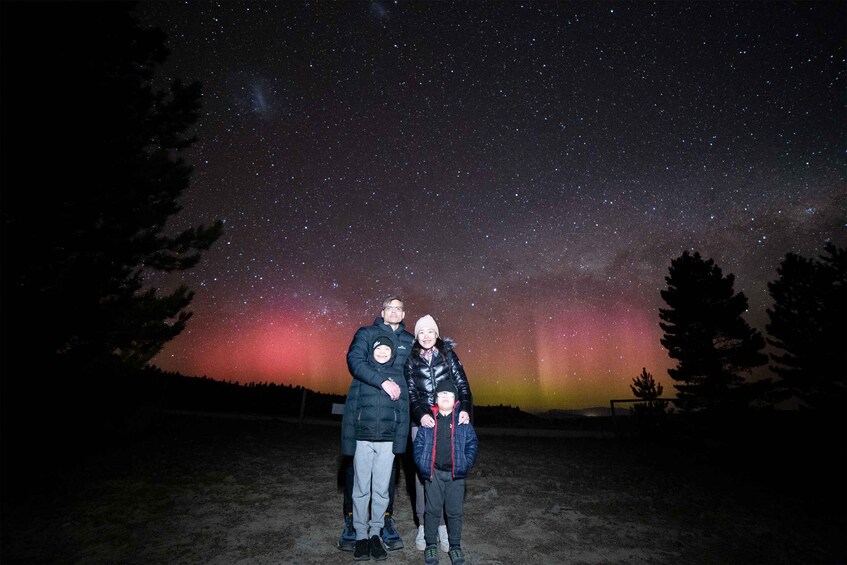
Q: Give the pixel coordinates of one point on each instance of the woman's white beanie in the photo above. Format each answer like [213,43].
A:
[426,323]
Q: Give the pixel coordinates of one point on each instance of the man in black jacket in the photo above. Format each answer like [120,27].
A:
[389,324]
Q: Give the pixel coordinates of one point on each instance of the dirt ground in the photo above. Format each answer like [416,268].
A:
[225,491]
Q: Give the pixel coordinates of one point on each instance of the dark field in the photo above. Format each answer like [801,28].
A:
[224,491]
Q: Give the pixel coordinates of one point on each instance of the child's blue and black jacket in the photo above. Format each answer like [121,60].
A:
[464,442]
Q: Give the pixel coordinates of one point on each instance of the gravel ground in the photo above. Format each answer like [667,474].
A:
[234,491]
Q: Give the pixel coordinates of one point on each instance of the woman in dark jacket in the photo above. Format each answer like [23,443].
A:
[432,360]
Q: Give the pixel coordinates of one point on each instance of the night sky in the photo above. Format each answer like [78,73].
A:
[524,172]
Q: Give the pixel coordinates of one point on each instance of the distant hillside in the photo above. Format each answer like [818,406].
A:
[508,417]
[504,416]
[595,412]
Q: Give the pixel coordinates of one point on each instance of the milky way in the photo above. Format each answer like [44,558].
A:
[524,172]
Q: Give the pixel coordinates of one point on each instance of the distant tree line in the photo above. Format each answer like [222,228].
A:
[205,394]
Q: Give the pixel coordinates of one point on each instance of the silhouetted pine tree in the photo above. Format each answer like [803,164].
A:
[807,323]
[650,414]
[92,172]
[645,387]
[705,333]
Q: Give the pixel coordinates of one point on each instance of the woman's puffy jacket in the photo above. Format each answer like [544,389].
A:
[422,378]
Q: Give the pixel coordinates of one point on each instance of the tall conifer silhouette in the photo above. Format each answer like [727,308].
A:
[808,325]
[705,333]
[93,170]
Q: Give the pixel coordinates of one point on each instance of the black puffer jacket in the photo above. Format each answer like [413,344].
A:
[422,378]
[378,418]
[367,375]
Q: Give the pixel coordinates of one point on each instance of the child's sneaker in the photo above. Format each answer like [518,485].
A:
[431,555]
[377,551]
[443,539]
[362,551]
[420,540]
[457,556]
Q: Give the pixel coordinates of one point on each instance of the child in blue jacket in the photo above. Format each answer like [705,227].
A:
[443,455]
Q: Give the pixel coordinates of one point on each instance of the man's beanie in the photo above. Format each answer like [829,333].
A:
[425,323]
[446,386]
[382,340]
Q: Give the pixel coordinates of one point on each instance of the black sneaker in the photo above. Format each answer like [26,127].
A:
[377,551]
[431,555]
[347,541]
[362,551]
[390,535]
[457,556]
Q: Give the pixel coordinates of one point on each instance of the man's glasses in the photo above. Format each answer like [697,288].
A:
[394,308]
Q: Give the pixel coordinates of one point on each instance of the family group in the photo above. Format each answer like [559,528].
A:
[405,384]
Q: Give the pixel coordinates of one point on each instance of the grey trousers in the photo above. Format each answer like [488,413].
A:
[372,466]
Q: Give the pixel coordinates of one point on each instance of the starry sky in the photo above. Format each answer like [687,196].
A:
[522,171]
